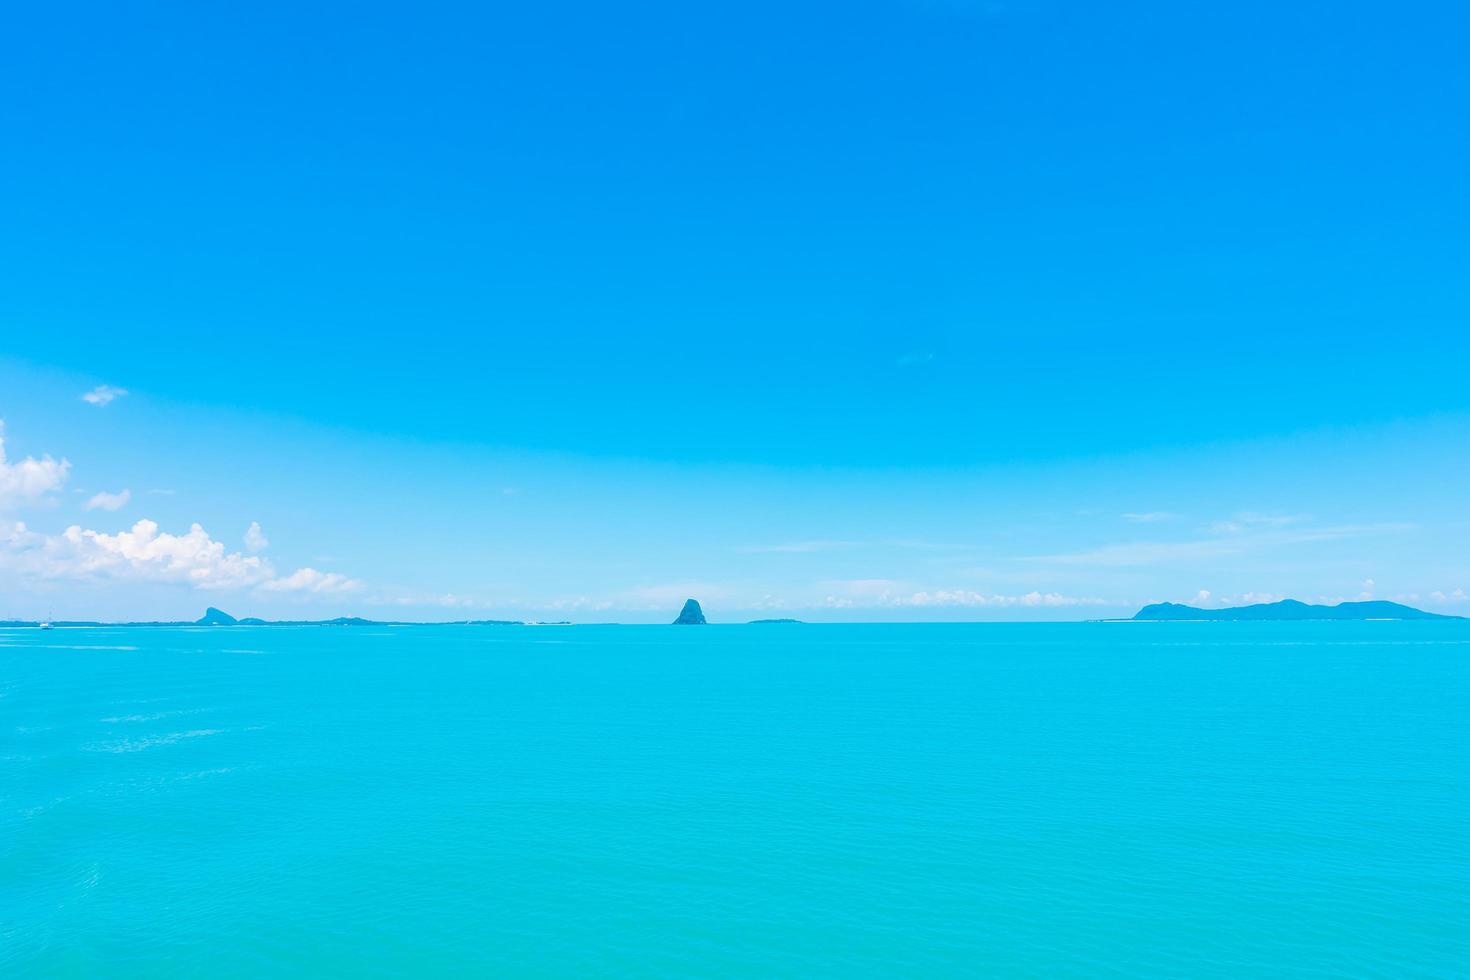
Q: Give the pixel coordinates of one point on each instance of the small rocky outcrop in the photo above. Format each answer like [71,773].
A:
[692,615]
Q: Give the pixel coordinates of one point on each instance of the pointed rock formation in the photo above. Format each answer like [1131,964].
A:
[215,617]
[691,616]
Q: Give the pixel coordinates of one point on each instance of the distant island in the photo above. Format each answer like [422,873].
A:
[1285,610]
[218,617]
[690,615]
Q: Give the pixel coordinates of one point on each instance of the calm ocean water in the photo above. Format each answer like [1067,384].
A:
[1184,800]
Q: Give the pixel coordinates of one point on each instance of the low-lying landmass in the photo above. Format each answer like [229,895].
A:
[218,617]
[691,615]
[1285,610]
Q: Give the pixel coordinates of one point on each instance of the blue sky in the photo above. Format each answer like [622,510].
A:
[899,310]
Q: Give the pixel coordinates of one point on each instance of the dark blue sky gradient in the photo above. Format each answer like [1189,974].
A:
[871,234]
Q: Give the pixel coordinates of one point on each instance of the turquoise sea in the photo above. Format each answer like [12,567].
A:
[1069,800]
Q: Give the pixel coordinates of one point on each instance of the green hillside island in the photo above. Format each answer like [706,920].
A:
[1285,610]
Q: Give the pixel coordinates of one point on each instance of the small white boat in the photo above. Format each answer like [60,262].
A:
[47,626]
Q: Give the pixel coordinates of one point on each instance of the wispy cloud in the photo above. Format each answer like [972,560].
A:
[1145,553]
[104,395]
[870,588]
[441,600]
[796,547]
[1337,532]
[1251,521]
[960,597]
[1205,599]
[309,580]
[910,544]
[578,603]
[891,593]
[1150,516]
[1164,552]
[661,596]
[108,501]
[805,547]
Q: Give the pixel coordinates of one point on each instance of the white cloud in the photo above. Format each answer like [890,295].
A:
[255,539]
[1251,521]
[103,395]
[144,554]
[311,580]
[28,480]
[1439,595]
[108,501]
[1150,517]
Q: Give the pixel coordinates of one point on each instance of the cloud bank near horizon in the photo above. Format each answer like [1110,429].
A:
[780,576]
[145,554]
[141,554]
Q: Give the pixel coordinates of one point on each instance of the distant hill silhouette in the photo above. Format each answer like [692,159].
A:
[1286,609]
[218,617]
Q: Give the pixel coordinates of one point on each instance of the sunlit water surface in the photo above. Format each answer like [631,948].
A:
[1188,800]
